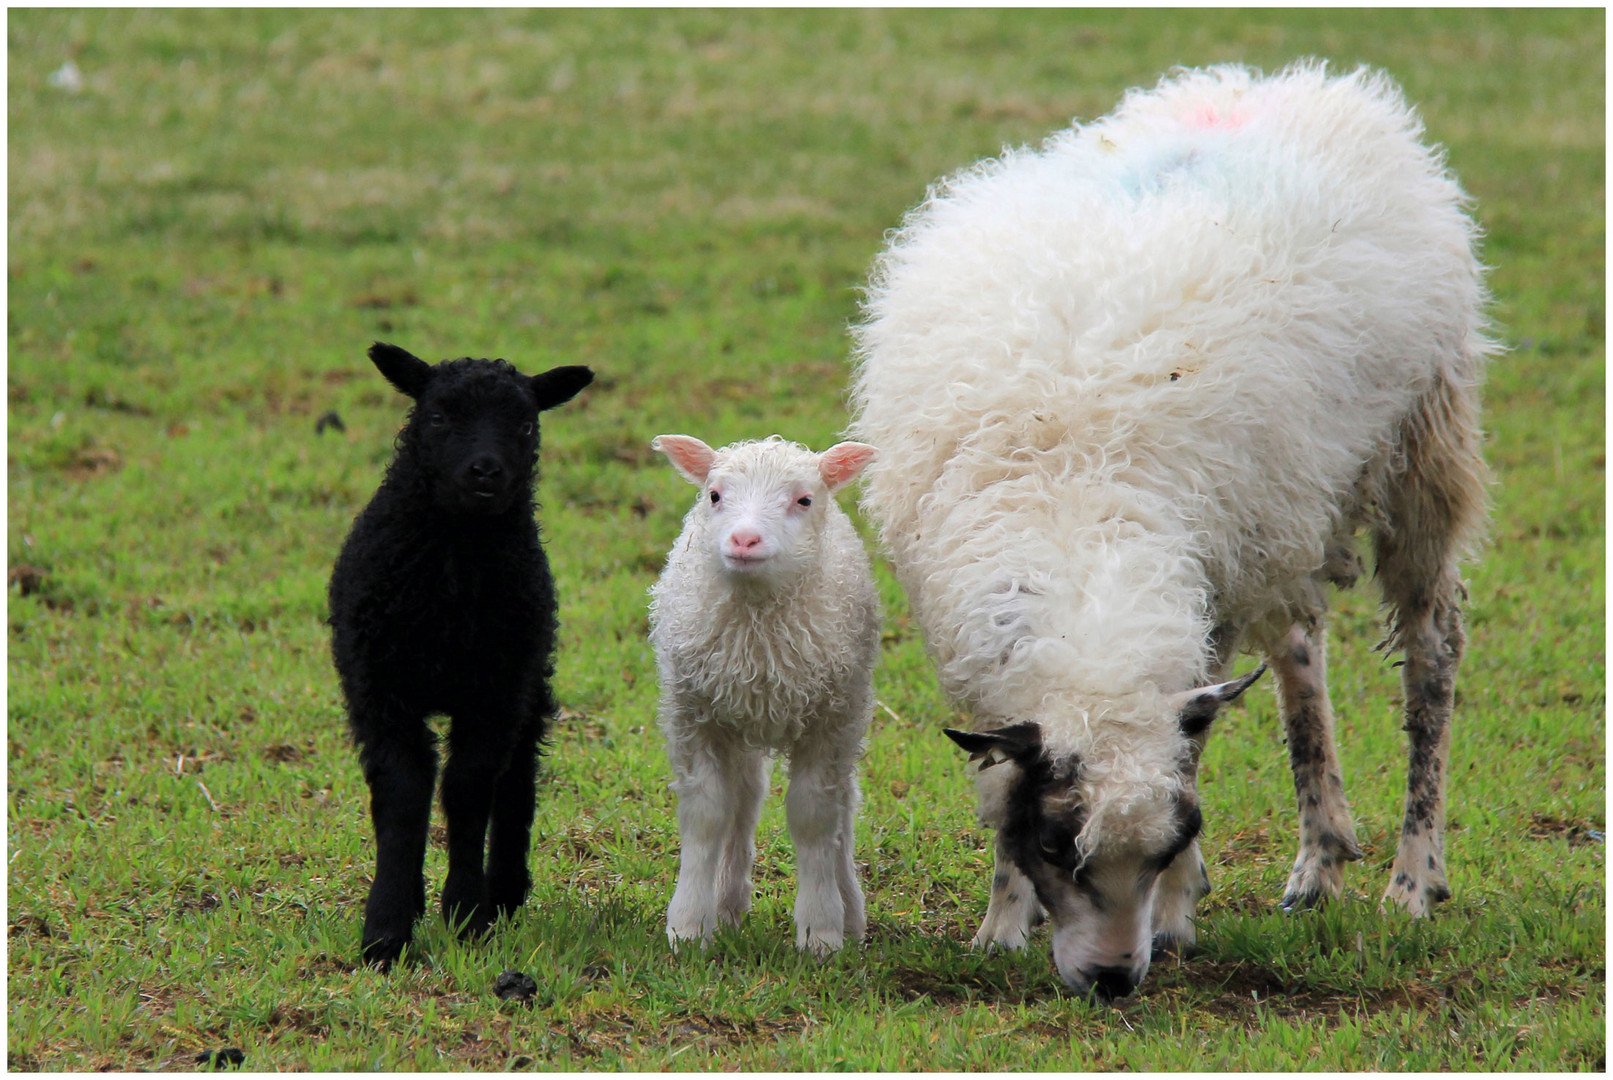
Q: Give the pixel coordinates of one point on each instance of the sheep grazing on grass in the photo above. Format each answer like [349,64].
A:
[1134,394]
[766,628]
[442,602]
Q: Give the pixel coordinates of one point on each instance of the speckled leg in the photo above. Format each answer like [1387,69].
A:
[1012,910]
[1326,831]
[1433,644]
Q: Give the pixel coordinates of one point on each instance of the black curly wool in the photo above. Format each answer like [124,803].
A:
[441,602]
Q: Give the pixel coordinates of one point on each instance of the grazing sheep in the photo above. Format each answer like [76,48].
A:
[766,628]
[1134,394]
[441,602]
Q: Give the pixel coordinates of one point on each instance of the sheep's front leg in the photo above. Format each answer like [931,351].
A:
[1326,831]
[1433,642]
[748,792]
[1181,886]
[706,777]
[822,785]
[401,773]
[514,802]
[1012,910]
[469,781]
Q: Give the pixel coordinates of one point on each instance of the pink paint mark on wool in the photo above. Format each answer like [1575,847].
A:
[1207,116]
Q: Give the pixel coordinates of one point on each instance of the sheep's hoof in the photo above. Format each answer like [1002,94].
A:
[1171,945]
[820,943]
[380,953]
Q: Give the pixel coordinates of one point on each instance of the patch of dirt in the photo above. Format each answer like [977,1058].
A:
[92,460]
[1577,833]
[286,753]
[26,579]
[28,926]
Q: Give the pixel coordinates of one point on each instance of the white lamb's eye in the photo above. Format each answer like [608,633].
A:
[805,500]
[715,498]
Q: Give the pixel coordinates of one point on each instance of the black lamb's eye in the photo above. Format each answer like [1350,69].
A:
[526,428]
[438,419]
[805,500]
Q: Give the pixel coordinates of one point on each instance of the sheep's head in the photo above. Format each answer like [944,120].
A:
[763,503]
[472,436]
[1099,892]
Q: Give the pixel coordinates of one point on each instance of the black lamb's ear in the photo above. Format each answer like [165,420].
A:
[559,385]
[1199,710]
[1017,741]
[402,369]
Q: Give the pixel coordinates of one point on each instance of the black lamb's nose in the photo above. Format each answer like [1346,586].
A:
[486,468]
[1112,982]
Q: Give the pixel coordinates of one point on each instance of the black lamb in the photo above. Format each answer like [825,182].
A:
[442,602]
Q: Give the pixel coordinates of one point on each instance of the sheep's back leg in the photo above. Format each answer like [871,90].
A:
[1433,512]
[1012,910]
[851,893]
[1326,830]
[510,835]
[400,767]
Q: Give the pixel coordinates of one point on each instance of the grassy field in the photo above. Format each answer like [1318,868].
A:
[208,232]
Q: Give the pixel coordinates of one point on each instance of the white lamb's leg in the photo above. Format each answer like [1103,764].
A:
[851,893]
[1012,910]
[734,888]
[815,806]
[705,775]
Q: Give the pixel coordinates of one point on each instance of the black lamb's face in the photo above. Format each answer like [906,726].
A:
[473,432]
[476,436]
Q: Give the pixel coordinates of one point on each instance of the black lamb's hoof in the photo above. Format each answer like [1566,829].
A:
[515,986]
[230,1057]
[381,952]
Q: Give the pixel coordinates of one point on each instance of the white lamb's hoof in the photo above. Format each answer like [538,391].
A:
[820,943]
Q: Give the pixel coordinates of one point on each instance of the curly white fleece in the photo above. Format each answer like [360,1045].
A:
[1132,383]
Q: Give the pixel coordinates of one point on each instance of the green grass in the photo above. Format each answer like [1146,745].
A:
[204,240]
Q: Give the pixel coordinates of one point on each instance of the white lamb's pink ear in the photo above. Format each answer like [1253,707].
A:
[691,457]
[840,464]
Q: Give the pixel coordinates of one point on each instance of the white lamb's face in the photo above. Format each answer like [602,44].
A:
[763,504]
[762,522]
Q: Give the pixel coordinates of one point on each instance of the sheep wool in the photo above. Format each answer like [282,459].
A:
[1135,390]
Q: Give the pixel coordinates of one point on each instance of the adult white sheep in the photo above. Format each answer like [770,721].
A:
[1134,393]
[765,624]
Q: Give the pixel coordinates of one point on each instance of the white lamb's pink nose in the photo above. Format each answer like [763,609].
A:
[743,541]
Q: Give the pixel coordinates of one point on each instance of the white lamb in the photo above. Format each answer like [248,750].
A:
[1134,393]
[766,624]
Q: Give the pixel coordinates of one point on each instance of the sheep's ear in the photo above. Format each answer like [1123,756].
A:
[840,464]
[559,385]
[691,457]
[402,369]
[1017,742]
[1196,709]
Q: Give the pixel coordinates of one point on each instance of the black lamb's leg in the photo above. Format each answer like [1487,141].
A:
[514,802]
[401,773]
[469,780]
